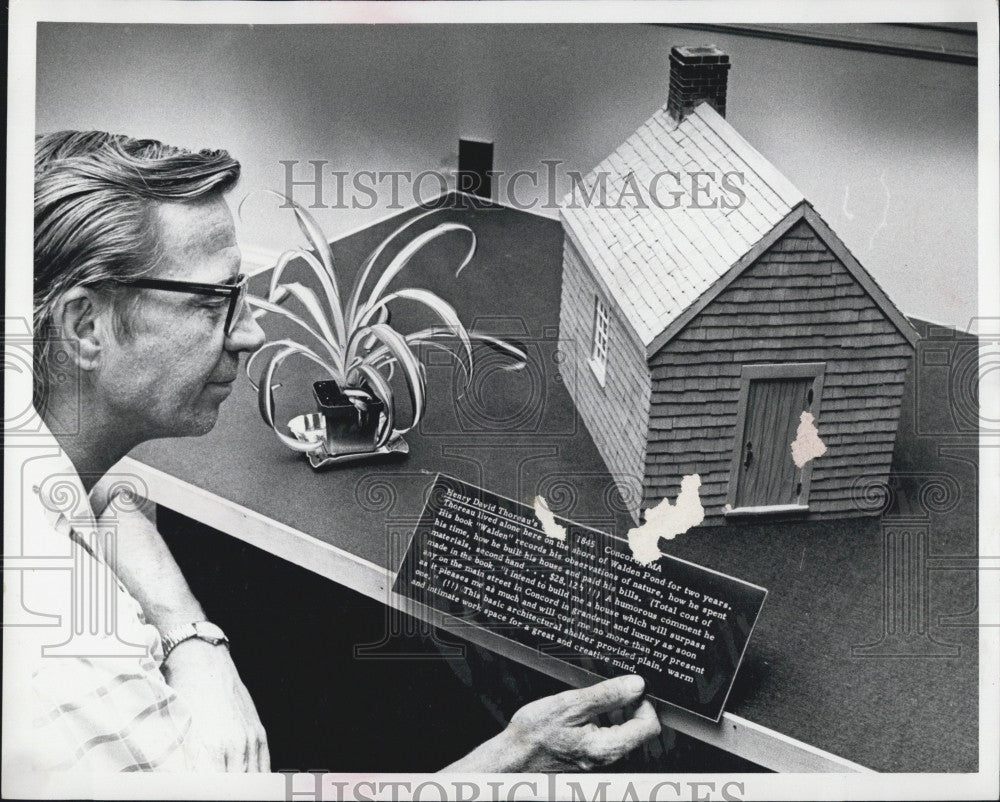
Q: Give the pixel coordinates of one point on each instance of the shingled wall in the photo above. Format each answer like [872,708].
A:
[796,303]
[617,414]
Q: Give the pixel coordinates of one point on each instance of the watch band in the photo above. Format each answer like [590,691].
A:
[203,630]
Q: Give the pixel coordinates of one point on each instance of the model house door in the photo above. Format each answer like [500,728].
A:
[772,406]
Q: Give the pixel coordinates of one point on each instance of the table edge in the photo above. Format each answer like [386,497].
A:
[761,745]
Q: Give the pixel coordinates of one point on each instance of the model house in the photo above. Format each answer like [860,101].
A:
[710,307]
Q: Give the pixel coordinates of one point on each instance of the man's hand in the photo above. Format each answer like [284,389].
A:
[224,719]
[558,733]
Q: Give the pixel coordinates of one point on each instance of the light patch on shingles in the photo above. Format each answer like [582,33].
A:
[548,520]
[807,444]
[667,520]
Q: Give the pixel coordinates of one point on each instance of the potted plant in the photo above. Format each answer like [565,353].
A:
[351,340]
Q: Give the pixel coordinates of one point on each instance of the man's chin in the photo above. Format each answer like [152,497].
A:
[200,425]
[199,420]
[212,400]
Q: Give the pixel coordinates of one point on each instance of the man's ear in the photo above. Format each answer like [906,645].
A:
[80,317]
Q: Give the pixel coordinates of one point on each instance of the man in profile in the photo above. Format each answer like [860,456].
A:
[137,279]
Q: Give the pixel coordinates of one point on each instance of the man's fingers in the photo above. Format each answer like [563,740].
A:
[264,757]
[223,760]
[259,758]
[607,744]
[237,757]
[604,696]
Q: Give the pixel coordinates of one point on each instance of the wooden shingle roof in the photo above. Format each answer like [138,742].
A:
[656,262]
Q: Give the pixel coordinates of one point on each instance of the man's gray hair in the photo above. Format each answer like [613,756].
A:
[95,195]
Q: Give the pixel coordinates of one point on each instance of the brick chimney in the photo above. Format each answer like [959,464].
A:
[696,74]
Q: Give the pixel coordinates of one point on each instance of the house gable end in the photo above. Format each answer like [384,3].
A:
[828,237]
[798,302]
[862,276]
[725,280]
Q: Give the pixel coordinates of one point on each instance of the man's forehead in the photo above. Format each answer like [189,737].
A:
[197,234]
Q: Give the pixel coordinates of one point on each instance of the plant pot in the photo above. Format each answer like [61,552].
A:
[353,418]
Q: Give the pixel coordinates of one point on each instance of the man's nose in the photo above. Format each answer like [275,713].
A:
[248,335]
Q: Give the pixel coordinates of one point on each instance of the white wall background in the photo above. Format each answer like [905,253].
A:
[883,146]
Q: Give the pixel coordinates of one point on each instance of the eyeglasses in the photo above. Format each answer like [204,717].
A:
[236,292]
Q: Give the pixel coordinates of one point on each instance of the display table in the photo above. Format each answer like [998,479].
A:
[818,690]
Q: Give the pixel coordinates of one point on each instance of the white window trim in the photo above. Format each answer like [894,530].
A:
[599,337]
[599,370]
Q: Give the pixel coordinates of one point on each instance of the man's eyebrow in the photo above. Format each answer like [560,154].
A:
[234,267]
[223,280]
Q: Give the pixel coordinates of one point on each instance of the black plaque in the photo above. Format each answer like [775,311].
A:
[584,599]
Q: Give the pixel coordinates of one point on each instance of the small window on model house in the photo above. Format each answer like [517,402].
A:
[599,350]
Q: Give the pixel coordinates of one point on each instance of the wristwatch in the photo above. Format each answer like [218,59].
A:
[203,630]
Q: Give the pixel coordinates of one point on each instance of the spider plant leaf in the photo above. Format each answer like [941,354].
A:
[382,358]
[279,269]
[408,363]
[303,350]
[325,272]
[515,351]
[361,280]
[383,317]
[383,391]
[265,401]
[325,279]
[335,351]
[308,299]
[387,362]
[314,234]
[445,311]
[411,248]
[310,228]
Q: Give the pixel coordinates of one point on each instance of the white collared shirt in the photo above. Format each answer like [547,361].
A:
[89,694]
